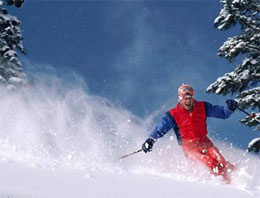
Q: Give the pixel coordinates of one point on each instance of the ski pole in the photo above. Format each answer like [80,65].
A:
[250,115]
[127,155]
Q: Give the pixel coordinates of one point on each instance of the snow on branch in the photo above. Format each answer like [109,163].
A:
[252,121]
[248,42]
[236,11]
[250,98]
[238,80]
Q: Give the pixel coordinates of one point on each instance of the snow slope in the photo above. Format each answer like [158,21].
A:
[20,181]
[59,141]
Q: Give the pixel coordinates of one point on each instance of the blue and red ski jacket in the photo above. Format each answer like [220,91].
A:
[189,125]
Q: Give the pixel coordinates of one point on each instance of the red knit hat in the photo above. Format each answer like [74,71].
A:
[185,89]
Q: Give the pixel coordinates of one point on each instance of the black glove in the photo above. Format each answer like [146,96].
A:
[232,104]
[148,145]
[254,145]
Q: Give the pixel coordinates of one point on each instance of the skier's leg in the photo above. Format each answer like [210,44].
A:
[215,154]
[221,166]
[200,155]
[212,159]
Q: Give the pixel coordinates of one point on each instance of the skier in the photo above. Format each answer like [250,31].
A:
[188,119]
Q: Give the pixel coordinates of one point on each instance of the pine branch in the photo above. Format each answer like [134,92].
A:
[252,121]
[250,98]
[238,80]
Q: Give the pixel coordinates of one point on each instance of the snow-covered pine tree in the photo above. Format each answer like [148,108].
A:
[244,80]
[11,71]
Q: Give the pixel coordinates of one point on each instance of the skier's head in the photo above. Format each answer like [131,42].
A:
[186,93]
[184,90]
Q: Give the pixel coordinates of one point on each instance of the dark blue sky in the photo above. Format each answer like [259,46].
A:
[135,53]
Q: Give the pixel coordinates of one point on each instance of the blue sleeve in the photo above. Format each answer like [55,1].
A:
[163,127]
[217,111]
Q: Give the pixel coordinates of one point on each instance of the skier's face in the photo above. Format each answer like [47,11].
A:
[187,102]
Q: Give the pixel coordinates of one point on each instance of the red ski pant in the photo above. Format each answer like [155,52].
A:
[204,151]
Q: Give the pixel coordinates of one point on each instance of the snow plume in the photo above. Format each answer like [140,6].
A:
[55,123]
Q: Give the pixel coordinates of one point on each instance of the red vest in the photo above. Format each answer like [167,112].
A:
[192,125]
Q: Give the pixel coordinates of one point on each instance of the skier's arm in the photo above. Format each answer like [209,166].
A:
[163,127]
[217,111]
[160,130]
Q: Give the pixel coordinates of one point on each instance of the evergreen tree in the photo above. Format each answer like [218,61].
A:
[11,71]
[244,80]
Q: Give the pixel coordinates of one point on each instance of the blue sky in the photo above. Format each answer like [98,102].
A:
[135,53]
